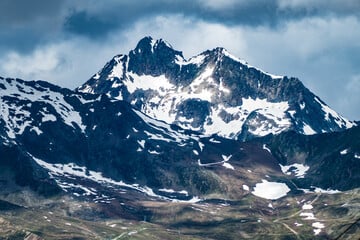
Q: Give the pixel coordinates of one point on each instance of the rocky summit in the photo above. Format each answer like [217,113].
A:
[213,93]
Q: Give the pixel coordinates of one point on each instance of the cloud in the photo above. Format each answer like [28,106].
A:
[68,63]
[121,14]
[220,4]
[26,24]
[101,17]
[98,18]
[36,64]
[354,85]
[189,35]
[71,62]
[16,12]
[83,24]
[350,101]
[335,6]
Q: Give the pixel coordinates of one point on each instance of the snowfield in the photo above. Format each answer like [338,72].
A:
[270,190]
[298,169]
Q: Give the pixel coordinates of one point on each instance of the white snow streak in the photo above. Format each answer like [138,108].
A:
[72,169]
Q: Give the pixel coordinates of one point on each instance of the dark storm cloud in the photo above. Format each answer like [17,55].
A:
[23,40]
[13,12]
[111,15]
[91,26]
[26,24]
[271,13]
[121,14]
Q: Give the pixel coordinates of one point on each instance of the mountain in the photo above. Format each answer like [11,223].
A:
[213,93]
[86,165]
[70,159]
[43,125]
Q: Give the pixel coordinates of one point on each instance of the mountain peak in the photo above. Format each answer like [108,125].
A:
[148,45]
[221,52]
[152,57]
[213,92]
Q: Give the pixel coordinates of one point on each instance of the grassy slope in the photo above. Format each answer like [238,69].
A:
[250,217]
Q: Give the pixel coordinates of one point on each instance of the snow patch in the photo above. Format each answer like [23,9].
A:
[201,145]
[307,207]
[228,165]
[36,130]
[141,143]
[226,53]
[197,60]
[154,152]
[328,191]
[96,76]
[317,227]
[226,158]
[266,148]
[147,82]
[307,215]
[117,70]
[48,117]
[270,190]
[213,140]
[183,192]
[308,130]
[345,151]
[297,168]
[302,106]
[340,121]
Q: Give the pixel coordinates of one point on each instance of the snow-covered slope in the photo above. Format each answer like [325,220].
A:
[52,138]
[213,92]
[30,104]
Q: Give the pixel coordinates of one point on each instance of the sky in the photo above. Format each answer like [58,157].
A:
[65,42]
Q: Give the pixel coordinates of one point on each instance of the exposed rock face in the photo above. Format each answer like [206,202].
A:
[213,92]
[331,157]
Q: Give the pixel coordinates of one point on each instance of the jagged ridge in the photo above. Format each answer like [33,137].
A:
[213,92]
